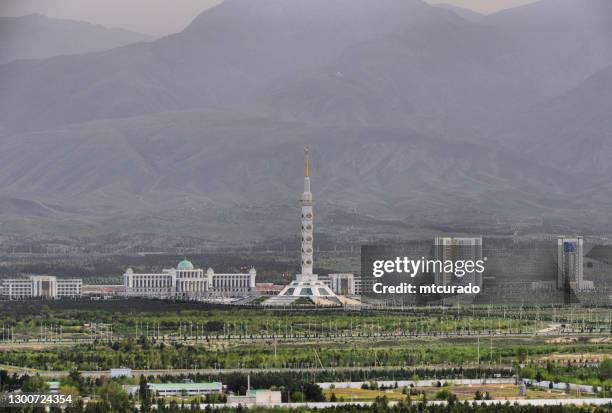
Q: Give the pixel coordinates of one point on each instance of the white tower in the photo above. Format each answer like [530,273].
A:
[306,284]
[307,225]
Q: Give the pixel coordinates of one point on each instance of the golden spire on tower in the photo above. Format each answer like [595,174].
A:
[307,158]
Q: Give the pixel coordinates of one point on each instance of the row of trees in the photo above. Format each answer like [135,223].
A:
[555,372]
[146,355]
[154,318]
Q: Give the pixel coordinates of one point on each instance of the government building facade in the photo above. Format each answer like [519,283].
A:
[186,281]
[41,286]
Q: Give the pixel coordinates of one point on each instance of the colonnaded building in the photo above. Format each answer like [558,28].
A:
[41,286]
[186,281]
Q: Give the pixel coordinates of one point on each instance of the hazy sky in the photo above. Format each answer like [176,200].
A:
[162,17]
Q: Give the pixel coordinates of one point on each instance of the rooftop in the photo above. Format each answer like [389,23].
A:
[186,386]
[185,265]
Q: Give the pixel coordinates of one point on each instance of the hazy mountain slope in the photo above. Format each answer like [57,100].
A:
[397,99]
[564,40]
[38,37]
[400,61]
[465,13]
[572,131]
[456,77]
[227,55]
[451,75]
[208,159]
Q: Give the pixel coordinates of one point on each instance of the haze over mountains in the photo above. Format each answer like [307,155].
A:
[415,113]
[559,134]
[460,11]
[37,37]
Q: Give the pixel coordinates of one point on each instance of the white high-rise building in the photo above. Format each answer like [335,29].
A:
[455,249]
[570,252]
[306,284]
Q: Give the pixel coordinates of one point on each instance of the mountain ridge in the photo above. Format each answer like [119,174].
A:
[239,55]
[384,172]
[36,36]
[557,134]
[414,114]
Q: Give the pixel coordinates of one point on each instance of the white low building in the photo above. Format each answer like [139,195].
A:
[41,286]
[188,282]
[341,284]
[185,389]
[116,373]
[543,285]
[256,397]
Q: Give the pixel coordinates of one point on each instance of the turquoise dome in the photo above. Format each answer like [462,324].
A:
[185,265]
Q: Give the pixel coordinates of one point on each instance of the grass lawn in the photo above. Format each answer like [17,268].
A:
[363,395]
[463,392]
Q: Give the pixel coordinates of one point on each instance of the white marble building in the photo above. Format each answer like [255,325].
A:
[41,286]
[187,281]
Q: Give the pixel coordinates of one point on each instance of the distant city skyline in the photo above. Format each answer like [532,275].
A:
[164,17]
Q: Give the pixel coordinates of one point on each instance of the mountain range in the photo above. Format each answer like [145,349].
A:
[36,36]
[421,114]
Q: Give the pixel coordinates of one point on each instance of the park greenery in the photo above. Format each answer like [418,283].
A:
[110,395]
[153,334]
[87,320]
[144,354]
[557,373]
[290,350]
